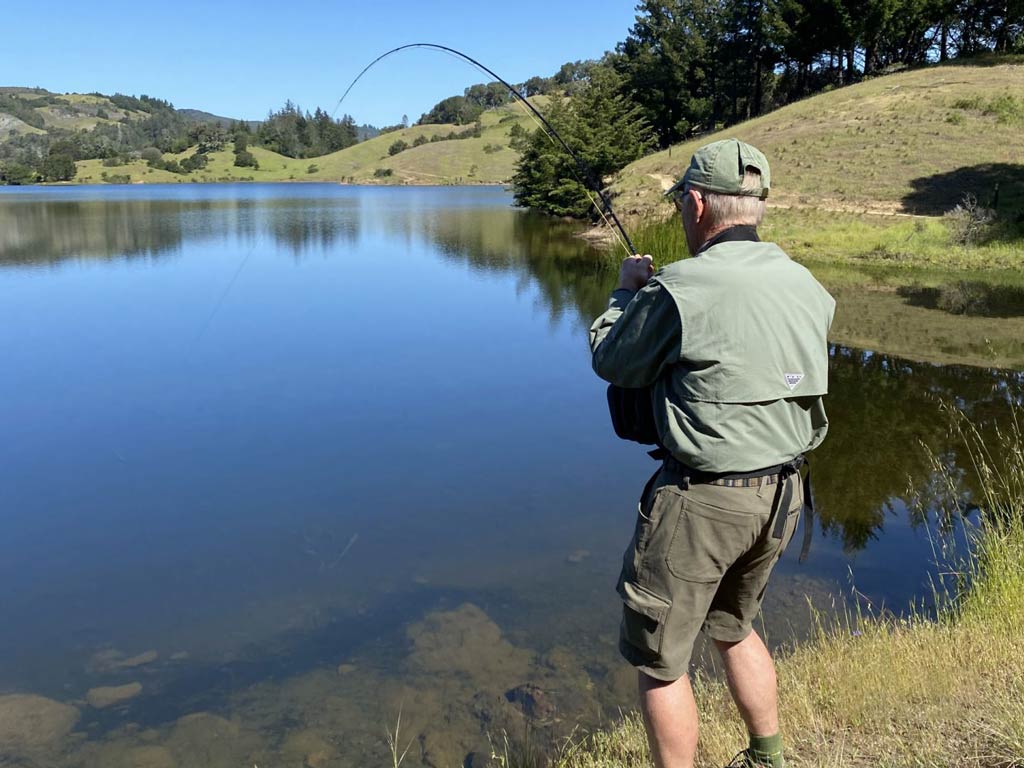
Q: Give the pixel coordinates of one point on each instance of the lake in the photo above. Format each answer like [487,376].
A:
[285,463]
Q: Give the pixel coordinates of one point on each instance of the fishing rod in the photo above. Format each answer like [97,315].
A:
[583,171]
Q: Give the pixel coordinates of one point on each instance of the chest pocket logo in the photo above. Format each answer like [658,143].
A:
[792,379]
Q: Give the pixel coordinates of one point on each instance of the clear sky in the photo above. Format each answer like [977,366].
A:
[241,59]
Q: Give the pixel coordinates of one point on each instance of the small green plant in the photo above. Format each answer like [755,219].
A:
[313,168]
[382,173]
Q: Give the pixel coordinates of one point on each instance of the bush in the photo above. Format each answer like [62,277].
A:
[383,173]
[398,146]
[113,162]
[420,141]
[152,155]
[313,168]
[195,162]
[246,159]
[969,223]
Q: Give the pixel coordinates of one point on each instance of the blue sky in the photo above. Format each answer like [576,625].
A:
[241,59]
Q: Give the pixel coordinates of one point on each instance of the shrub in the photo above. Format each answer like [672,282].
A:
[246,159]
[968,222]
[195,162]
[398,146]
[420,141]
[383,173]
[152,155]
[313,168]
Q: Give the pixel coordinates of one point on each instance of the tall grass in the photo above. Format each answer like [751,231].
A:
[934,692]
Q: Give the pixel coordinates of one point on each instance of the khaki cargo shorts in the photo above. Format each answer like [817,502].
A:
[699,560]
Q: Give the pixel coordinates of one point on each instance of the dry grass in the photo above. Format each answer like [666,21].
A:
[909,142]
[898,692]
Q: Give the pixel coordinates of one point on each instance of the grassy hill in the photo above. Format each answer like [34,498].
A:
[913,142]
[863,174]
[487,159]
[35,110]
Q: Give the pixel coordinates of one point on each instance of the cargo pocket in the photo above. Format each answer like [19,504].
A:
[643,617]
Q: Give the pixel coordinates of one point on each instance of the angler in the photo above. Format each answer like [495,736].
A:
[722,361]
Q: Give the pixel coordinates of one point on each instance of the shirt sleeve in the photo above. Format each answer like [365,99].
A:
[638,336]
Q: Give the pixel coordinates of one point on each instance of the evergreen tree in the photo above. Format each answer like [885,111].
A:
[602,125]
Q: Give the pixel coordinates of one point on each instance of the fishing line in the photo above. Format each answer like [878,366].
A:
[519,102]
[582,171]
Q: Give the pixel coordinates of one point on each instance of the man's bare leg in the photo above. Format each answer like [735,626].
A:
[750,672]
[670,715]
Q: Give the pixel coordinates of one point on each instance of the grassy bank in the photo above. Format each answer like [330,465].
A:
[899,247]
[897,692]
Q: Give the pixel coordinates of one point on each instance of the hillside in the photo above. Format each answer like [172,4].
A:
[486,159]
[35,110]
[913,142]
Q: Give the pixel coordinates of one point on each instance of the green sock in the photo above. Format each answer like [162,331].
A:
[766,751]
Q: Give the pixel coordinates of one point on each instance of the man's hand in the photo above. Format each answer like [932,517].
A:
[635,272]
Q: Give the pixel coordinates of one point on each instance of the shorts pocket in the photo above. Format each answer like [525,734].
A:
[643,617]
[707,540]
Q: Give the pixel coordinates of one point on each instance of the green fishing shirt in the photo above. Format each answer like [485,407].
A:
[732,344]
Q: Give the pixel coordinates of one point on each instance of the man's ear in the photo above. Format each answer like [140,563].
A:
[698,204]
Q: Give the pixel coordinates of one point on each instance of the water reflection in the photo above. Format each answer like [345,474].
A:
[966,297]
[48,231]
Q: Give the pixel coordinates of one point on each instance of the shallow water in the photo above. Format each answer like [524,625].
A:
[296,457]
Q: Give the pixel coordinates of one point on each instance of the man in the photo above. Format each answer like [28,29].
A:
[732,346]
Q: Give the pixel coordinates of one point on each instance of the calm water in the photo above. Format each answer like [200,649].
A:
[296,458]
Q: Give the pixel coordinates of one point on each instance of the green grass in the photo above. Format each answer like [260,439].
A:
[926,692]
[817,236]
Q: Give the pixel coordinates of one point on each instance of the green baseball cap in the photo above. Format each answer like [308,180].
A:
[719,167]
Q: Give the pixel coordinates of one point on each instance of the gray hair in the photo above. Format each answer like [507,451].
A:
[730,210]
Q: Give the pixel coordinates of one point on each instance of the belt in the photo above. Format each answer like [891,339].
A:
[777,475]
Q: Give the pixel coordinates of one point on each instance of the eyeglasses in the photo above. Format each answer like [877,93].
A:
[679,199]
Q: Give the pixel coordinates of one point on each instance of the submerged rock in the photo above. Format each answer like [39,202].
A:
[466,643]
[30,723]
[206,740]
[308,749]
[112,660]
[534,702]
[108,696]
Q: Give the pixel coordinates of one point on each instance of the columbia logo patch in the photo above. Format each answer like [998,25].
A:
[792,379]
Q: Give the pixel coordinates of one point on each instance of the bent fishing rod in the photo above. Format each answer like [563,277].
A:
[583,171]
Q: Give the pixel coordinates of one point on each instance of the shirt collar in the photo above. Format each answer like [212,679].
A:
[738,233]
